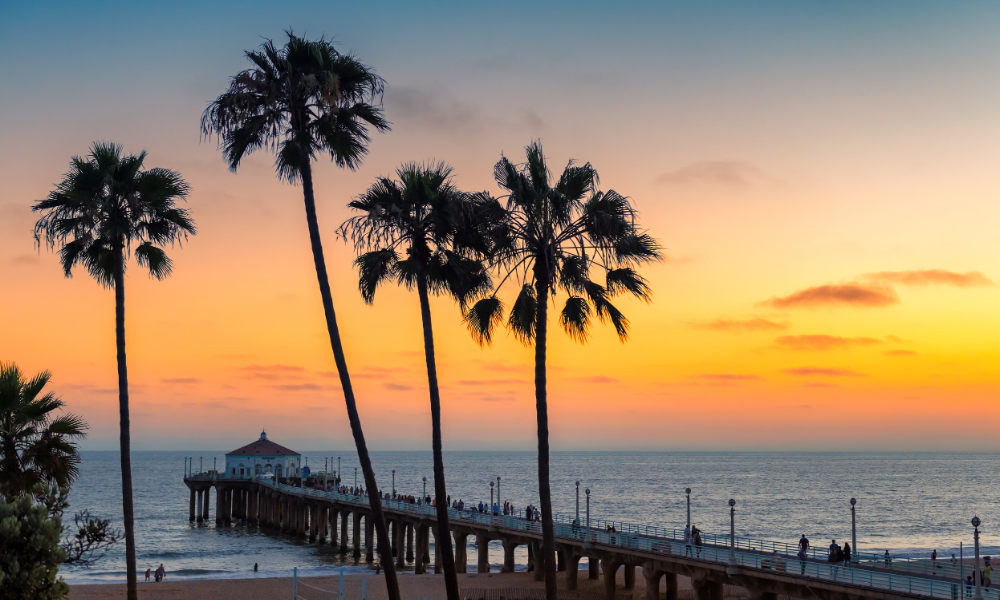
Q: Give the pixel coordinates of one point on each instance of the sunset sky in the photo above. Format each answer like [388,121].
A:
[825,178]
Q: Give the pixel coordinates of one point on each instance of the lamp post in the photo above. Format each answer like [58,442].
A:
[338,467]
[732,534]
[975,570]
[587,491]
[491,498]
[394,484]
[854,530]
[577,503]
[424,498]
[355,477]
[688,492]
[499,500]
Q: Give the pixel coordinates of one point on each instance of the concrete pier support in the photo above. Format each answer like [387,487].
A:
[427,546]
[756,594]
[704,589]
[409,541]
[593,568]
[652,576]
[539,561]
[610,568]
[483,551]
[369,539]
[219,495]
[461,551]
[191,515]
[629,577]
[323,510]
[357,534]
[572,566]
[509,546]
[334,536]
[343,530]
[313,522]
[438,564]
[254,506]
[399,529]
[421,551]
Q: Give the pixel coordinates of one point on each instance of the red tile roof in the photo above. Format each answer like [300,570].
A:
[263,447]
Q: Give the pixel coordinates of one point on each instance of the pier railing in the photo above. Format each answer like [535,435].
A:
[869,570]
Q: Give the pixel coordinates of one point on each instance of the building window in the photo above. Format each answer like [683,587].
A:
[256,469]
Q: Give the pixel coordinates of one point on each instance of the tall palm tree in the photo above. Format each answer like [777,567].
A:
[425,217]
[106,208]
[548,238]
[36,446]
[300,100]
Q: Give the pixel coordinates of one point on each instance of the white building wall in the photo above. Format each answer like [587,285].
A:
[245,467]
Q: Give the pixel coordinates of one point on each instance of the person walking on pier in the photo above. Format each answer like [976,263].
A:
[687,540]
[804,543]
[847,554]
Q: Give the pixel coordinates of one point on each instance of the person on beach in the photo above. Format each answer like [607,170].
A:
[148,571]
[160,573]
[255,567]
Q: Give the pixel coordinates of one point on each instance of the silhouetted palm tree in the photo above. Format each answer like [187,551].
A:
[421,232]
[36,446]
[300,100]
[548,238]
[106,208]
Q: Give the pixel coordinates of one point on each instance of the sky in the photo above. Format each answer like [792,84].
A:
[823,176]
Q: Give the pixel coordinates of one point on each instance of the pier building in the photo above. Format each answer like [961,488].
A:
[262,457]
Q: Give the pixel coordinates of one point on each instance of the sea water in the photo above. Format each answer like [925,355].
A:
[908,503]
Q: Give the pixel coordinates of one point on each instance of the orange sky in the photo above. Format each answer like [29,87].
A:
[829,213]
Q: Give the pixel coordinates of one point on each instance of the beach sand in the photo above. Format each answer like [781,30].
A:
[412,587]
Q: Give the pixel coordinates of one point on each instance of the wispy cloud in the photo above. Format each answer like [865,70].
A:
[272,372]
[397,386]
[181,380]
[740,325]
[822,372]
[729,173]
[303,387]
[848,294]
[598,379]
[900,353]
[921,277]
[491,381]
[728,377]
[823,342]
[496,398]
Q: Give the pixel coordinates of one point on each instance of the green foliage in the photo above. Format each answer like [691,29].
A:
[36,445]
[304,98]
[105,204]
[553,234]
[424,216]
[30,553]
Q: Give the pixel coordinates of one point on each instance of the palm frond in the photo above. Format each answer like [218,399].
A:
[374,268]
[627,280]
[522,319]
[483,318]
[575,318]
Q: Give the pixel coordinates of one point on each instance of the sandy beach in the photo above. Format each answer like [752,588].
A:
[413,587]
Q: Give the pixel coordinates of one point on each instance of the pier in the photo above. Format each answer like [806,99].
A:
[766,569]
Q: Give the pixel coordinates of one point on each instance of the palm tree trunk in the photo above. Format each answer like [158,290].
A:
[541,408]
[125,437]
[391,582]
[443,538]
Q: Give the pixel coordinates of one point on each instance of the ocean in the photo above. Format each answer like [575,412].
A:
[908,503]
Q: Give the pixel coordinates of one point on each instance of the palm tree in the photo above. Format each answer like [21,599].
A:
[548,238]
[106,208]
[426,217]
[36,446]
[298,101]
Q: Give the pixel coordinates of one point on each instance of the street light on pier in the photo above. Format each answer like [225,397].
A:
[732,538]
[394,484]
[975,571]
[499,500]
[854,531]
[491,498]
[587,491]
[355,478]
[424,498]
[577,503]
[338,467]
[688,492]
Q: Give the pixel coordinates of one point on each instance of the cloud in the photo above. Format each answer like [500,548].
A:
[823,372]
[303,387]
[823,342]
[740,325]
[900,353]
[272,372]
[598,379]
[729,173]
[25,260]
[397,386]
[848,294]
[491,381]
[441,112]
[730,377]
[931,277]
[181,380]
[497,398]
